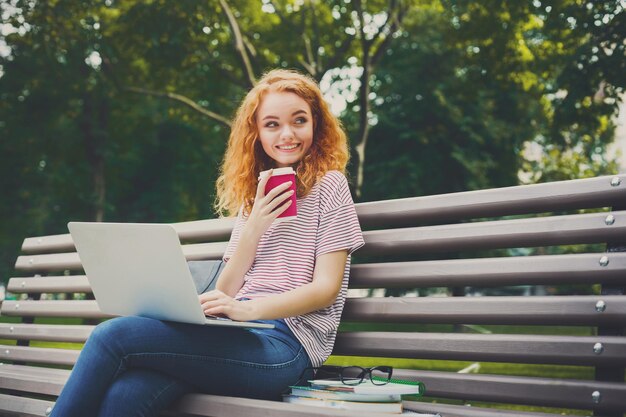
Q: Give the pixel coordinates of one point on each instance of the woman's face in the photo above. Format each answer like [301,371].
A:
[285,126]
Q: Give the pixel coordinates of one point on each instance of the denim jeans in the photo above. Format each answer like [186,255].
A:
[136,366]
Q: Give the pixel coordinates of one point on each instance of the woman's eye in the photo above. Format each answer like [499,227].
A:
[271,124]
[300,120]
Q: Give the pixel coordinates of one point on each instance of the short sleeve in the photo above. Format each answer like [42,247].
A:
[339,227]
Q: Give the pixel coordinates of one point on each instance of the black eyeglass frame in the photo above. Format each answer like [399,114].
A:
[346,373]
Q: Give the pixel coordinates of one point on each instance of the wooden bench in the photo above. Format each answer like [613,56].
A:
[463,240]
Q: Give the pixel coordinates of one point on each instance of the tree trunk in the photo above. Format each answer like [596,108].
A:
[364,127]
[94,137]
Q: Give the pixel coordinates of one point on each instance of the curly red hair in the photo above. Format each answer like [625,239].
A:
[245,159]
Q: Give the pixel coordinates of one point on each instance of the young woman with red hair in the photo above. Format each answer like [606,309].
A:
[292,274]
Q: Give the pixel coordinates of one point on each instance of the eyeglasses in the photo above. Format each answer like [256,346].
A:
[353,375]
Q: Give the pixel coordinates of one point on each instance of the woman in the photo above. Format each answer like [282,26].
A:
[292,274]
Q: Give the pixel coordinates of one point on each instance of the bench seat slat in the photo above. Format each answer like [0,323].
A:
[39,355]
[491,388]
[558,310]
[46,332]
[543,231]
[30,407]
[32,379]
[518,348]
[547,392]
[465,411]
[23,407]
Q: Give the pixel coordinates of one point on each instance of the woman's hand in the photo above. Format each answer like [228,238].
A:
[268,207]
[216,303]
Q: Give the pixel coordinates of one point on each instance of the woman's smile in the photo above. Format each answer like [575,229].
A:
[289,148]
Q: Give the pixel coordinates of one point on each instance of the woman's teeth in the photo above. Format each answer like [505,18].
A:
[288,147]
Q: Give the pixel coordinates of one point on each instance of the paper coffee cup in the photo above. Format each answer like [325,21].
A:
[279,176]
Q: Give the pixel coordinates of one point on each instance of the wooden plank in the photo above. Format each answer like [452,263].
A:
[23,407]
[573,229]
[71,260]
[30,407]
[519,270]
[53,308]
[46,381]
[516,348]
[207,230]
[52,243]
[537,349]
[218,406]
[46,332]
[524,199]
[38,355]
[492,388]
[471,411]
[536,198]
[559,310]
[547,392]
[543,231]
[50,284]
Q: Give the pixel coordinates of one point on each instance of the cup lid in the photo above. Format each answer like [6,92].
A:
[277,171]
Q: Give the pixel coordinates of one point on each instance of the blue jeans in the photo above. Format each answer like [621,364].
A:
[136,366]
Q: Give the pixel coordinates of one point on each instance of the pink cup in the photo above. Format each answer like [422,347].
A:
[279,176]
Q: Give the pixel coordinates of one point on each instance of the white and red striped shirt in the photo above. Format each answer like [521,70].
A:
[286,255]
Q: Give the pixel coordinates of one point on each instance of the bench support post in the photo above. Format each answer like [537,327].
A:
[613,373]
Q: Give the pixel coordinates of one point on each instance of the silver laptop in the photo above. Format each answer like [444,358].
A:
[139,269]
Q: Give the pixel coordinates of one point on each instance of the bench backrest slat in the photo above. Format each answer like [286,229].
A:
[46,332]
[539,349]
[516,348]
[524,199]
[566,310]
[553,269]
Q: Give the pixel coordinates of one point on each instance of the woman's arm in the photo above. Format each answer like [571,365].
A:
[231,279]
[265,210]
[320,293]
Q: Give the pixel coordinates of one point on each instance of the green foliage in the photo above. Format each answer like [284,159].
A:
[487,82]
[462,91]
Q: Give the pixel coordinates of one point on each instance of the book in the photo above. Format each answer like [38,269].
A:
[344,396]
[391,408]
[394,387]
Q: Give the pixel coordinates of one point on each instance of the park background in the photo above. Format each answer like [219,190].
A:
[119,110]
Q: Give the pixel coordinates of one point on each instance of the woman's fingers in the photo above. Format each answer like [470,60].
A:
[277,201]
[211,295]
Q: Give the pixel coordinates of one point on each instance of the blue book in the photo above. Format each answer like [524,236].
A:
[343,396]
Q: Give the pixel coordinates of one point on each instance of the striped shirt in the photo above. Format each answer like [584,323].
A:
[285,258]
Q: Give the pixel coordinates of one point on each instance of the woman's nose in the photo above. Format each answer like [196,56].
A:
[286,132]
